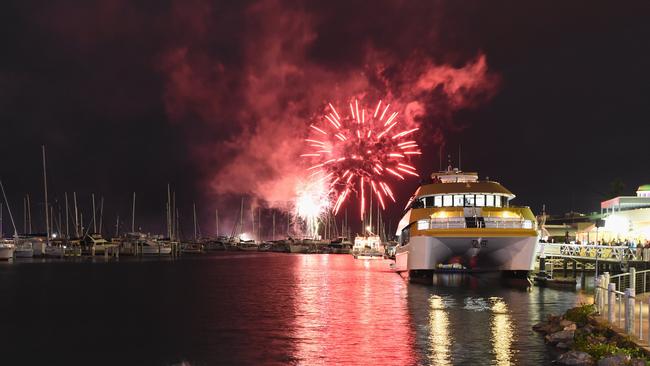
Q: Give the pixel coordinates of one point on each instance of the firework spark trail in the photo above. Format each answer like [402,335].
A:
[362,145]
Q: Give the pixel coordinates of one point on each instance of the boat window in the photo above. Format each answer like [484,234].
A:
[428,201]
[437,201]
[469,200]
[447,201]
[497,201]
[480,200]
[459,200]
[405,237]
[423,224]
[489,200]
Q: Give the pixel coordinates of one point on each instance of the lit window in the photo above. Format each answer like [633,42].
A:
[423,224]
[497,201]
[480,200]
[527,224]
[458,200]
[447,201]
[437,201]
[489,200]
[469,200]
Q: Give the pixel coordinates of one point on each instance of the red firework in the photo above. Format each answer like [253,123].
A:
[357,152]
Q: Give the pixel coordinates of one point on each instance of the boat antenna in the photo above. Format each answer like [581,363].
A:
[9,210]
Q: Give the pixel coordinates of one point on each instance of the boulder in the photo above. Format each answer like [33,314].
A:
[637,362]
[575,358]
[562,345]
[564,336]
[616,360]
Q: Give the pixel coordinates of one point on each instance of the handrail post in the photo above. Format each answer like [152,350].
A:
[633,278]
[611,303]
[597,294]
[629,310]
[641,320]
[605,287]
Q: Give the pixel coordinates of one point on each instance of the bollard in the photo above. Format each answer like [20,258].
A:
[633,278]
[611,303]
[629,311]
[641,320]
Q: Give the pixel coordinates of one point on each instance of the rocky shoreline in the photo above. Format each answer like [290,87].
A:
[585,341]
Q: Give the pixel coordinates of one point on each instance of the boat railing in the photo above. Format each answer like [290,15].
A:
[459,222]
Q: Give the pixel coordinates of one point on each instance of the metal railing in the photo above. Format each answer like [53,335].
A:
[586,251]
[607,299]
[637,280]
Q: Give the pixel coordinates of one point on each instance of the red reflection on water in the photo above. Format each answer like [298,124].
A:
[350,311]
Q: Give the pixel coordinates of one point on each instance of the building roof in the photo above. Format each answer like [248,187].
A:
[644,188]
[469,187]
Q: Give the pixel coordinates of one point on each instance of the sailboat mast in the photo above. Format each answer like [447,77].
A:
[24,217]
[241,217]
[117,227]
[259,224]
[133,215]
[67,227]
[47,213]
[94,215]
[29,214]
[194,212]
[76,214]
[273,225]
[169,212]
[216,220]
[101,214]
[0,220]
[8,210]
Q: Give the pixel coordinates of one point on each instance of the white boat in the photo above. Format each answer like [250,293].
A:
[368,247]
[7,248]
[460,221]
[191,248]
[248,246]
[24,248]
[156,248]
[54,251]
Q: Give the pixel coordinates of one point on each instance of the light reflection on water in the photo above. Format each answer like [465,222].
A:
[269,309]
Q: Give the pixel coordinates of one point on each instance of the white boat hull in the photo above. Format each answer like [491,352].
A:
[24,252]
[152,250]
[506,253]
[6,252]
[56,252]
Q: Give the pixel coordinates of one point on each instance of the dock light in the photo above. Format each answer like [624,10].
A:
[244,237]
[53,235]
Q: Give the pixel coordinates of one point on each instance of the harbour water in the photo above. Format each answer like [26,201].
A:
[264,308]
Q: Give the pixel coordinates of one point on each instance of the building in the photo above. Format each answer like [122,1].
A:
[627,218]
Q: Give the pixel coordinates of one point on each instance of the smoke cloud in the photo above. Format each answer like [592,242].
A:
[262,104]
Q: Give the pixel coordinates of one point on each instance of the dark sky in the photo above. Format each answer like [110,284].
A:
[97,83]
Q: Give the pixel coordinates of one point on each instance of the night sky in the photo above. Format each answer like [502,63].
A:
[129,96]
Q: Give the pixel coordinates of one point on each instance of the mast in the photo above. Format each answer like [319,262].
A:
[174,216]
[259,224]
[24,217]
[253,222]
[216,220]
[76,214]
[101,214]
[8,210]
[67,227]
[273,225]
[94,216]
[194,211]
[29,214]
[169,213]
[241,217]
[47,213]
[117,227]
[133,215]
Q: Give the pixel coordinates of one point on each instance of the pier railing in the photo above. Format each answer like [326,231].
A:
[619,308]
[582,251]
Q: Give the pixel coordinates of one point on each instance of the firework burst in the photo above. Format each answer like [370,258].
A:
[357,153]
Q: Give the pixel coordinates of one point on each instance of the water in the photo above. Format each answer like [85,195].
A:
[264,308]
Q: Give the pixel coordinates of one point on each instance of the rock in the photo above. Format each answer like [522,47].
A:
[571,326]
[637,362]
[541,327]
[565,322]
[575,358]
[588,329]
[562,345]
[616,360]
[564,336]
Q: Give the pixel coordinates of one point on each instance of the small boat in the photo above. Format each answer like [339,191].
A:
[7,248]
[156,248]
[248,246]
[54,251]
[191,248]
[24,248]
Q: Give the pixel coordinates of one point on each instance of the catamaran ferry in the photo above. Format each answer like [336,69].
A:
[457,222]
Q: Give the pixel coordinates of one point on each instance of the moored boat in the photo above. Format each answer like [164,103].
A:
[7,248]
[456,219]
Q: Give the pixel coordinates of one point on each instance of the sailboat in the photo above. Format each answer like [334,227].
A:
[7,246]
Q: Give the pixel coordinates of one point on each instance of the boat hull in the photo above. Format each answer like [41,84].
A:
[6,253]
[152,250]
[24,253]
[505,253]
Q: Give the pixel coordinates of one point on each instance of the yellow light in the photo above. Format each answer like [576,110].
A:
[439,215]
